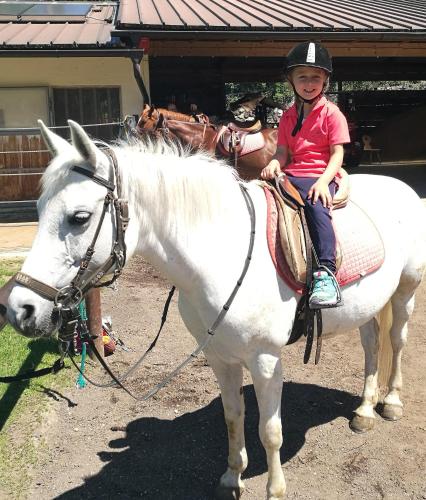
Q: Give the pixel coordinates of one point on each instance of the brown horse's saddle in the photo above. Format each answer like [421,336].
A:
[290,227]
[241,141]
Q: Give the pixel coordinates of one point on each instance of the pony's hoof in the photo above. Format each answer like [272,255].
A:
[392,412]
[361,424]
[228,493]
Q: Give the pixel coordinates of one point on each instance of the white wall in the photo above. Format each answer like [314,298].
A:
[79,72]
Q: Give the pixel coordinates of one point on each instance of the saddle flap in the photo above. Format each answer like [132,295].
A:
[291,238]
[243,142]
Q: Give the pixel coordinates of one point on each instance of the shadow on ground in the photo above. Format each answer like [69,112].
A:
[183,458]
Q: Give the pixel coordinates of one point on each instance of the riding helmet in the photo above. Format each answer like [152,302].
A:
[309,54]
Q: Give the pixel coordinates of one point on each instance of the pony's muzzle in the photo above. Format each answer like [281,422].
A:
[30,315]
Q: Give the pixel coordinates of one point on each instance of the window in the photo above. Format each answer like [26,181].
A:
[90,106]
[22,107]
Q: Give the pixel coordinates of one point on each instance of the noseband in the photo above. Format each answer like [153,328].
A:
[67,299]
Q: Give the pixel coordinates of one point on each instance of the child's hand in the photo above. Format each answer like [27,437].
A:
[272,169]
[320,190]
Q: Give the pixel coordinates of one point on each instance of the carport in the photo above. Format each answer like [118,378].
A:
[195,46]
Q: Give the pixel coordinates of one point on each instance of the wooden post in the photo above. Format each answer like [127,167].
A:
[94,317]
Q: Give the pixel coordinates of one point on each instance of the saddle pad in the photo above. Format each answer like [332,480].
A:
[249,142]
[360,242]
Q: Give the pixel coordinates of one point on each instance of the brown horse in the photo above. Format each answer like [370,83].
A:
[150,115]
[208,137]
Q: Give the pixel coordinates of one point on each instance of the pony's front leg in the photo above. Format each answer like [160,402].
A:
[365,418]
[266,372]
[230,379]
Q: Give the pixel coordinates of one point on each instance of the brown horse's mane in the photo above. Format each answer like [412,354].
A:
[174,115]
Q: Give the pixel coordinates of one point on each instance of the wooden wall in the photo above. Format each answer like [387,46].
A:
[23,159]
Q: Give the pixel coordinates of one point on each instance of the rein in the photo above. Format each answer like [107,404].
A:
[68,298]
[210,332]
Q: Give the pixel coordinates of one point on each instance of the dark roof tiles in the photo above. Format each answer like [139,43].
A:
[280,15]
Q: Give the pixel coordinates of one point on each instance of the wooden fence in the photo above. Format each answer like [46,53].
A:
[23,159]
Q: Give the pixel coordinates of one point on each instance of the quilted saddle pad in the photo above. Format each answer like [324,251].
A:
[360,243]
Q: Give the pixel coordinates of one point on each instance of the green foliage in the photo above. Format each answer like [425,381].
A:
[278,91]
[283,93]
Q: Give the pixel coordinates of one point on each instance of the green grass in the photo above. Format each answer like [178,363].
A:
[23,404]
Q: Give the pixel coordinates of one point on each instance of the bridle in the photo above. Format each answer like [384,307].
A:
[67,299]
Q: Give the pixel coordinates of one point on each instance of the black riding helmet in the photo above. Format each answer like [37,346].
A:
[307,54]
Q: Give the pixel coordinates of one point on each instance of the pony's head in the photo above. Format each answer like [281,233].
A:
[74,189]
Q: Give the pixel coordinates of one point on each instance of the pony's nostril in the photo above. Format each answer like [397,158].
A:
[29,311]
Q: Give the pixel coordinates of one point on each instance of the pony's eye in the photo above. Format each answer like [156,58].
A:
[79,218]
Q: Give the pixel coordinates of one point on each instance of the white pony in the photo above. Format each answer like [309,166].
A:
[190,220]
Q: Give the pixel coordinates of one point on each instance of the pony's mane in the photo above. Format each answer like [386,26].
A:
[166,177]
[176,184]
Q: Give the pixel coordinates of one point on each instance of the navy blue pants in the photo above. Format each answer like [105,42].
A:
[319,222]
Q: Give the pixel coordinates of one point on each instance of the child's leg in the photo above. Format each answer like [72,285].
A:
[319,222]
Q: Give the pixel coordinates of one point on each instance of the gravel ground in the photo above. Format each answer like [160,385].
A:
[99,443]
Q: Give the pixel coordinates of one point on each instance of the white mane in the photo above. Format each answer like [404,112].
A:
[167,180]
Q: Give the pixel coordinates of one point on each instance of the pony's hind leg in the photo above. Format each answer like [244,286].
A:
[230,379]
[402,308]
[266,372]
[364,417]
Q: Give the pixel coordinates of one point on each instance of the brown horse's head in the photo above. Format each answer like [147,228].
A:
[148,118]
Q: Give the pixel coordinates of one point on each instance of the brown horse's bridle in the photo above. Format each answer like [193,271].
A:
[67,298]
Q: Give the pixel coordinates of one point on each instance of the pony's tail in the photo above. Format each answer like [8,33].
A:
[384,320]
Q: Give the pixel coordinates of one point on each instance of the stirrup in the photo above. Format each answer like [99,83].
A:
[339,301]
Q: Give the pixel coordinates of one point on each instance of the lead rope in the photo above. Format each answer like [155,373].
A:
[210,332]
[81,383]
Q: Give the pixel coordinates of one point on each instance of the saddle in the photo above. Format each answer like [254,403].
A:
[359,249]
[237,141]
[292,233]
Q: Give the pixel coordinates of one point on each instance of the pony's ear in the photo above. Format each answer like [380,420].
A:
[82,142]
[54,142]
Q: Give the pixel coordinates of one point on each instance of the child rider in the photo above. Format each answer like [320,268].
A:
[310,151]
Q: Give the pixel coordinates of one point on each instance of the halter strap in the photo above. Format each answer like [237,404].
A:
[46,291]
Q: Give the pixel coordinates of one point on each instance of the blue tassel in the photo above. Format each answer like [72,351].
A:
[81,382]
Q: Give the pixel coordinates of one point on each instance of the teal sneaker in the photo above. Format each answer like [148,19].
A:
[324,291]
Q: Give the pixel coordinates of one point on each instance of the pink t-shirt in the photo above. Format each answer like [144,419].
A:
[310,148]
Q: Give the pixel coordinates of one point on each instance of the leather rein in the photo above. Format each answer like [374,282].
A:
[68,298]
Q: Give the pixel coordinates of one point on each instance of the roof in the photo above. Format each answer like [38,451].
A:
[60,24]
[272,16]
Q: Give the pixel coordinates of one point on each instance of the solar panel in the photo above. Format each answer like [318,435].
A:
[10,9]
[59,9]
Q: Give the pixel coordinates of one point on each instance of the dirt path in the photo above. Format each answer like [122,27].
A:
[100,444]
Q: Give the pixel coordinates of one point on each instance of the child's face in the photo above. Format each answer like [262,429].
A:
[308,81]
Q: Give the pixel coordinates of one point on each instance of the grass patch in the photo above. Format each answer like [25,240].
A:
[23,404]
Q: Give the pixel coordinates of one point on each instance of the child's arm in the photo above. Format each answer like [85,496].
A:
[320,188]
[279,160]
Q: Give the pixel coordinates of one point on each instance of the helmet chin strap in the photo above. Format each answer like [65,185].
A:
[300,115]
